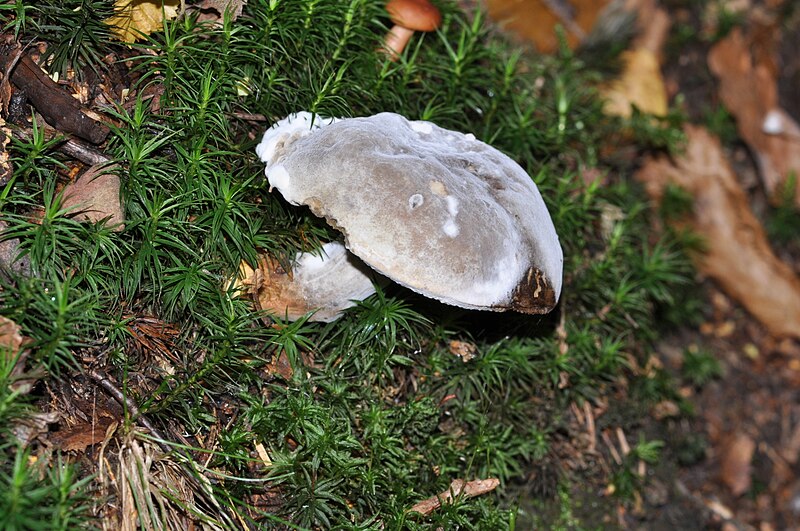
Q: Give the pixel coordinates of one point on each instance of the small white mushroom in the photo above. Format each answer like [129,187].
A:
[435,210]
[329,283]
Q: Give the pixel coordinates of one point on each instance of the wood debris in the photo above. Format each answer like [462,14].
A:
[458,489]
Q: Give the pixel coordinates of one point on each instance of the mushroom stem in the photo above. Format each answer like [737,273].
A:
[396,40]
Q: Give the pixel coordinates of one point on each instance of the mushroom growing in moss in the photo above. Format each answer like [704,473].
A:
[409,16]
[435,210]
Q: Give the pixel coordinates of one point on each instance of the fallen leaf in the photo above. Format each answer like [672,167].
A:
[94,196]
[6,169]
[536,20]
[10,337]
[735,469]
[641,83]
[263,455]
[280,366]
[11,348]
[458,488]
[81,436]
[134,19]
[749,90]
[737,254]
[665,409]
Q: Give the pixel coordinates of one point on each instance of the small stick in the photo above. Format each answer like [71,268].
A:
[458,487]
[72,147]
[86,154]
[125,401]
[562,12]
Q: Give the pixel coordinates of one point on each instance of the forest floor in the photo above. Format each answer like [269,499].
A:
[736,463]
[733,463]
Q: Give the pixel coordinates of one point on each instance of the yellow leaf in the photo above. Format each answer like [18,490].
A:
[641,84]
[135,18]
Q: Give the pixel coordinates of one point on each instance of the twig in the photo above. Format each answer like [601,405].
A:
[72,147]
[131,406]
[713,506]
[250,117]
[86,154]
[590,427]
[459,487]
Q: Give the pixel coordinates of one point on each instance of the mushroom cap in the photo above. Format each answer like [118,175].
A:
[329,282]
[435,210]
[417,15]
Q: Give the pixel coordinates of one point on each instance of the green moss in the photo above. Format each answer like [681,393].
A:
[377,414]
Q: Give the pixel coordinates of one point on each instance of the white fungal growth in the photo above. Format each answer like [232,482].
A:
[284,132]
[452,205]
[312,263]
[773,123]
[425,128]
[279,177]
[450,226]
[415,201]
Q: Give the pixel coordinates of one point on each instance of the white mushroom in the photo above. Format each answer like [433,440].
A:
[435,210]
[329,283]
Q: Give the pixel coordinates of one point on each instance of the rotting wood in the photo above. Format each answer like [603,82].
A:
[58,108]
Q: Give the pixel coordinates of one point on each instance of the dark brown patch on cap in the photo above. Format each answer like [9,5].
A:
[533,294]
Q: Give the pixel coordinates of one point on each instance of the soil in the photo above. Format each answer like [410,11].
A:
[745,434]
[734,464]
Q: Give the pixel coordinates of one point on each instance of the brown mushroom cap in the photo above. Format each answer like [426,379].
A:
[417,15]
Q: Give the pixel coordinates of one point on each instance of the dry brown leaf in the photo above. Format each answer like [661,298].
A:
[458,487]
[535,20]
[6,169]
[81,436]
[272,288]
[280,366]
[134,18]
[10,337]
[11,347]
[641,84]
[737,254]
[94,196]
[735,469]
[749,90]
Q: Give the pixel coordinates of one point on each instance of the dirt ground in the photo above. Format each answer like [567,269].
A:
[735,463]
